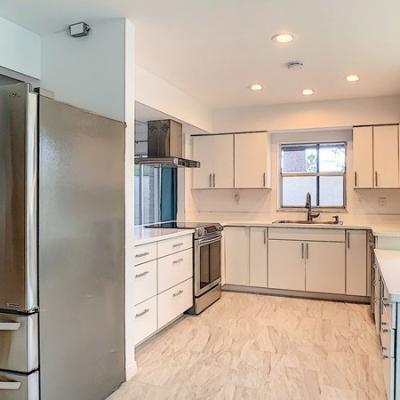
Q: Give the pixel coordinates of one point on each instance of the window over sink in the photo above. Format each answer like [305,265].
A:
[318,168]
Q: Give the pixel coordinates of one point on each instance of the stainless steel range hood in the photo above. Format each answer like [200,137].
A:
[165,145]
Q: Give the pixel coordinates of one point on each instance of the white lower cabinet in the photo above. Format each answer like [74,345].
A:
[258,257]
[174,302]
[356,262]
[145,315]
[162,288]
[286,266]
[325,267]
[237,263]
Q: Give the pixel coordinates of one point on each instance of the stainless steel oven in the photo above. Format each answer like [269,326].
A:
[207,263]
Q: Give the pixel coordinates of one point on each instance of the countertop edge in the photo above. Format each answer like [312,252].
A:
[159,238]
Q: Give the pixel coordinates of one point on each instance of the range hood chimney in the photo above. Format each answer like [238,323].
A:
[165,145]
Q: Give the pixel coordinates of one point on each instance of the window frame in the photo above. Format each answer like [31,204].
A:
[312,174]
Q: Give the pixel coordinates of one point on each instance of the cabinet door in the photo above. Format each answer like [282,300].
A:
[356,262]
[286,266]
[386,158]
[251,154]
[237,265]
[325,267]
[258,257]
[202,178]
[362,157]
[221,147]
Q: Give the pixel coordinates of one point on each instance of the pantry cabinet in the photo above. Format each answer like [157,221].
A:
[376,156]
[215,153]
[230,161]
[251,160]
[258,256]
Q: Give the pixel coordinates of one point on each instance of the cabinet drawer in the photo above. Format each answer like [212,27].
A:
[145,276]
[170,246]
[389,376]
[145,252]
[387,341]
[174,302]
[312,234]
[174,269]
[19,342]
[145,315]
[388,314]
[19,387]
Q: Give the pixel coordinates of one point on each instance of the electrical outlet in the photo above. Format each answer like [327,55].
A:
[382,201]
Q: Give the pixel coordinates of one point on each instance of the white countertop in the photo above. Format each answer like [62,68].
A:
[149,235]
[389,264]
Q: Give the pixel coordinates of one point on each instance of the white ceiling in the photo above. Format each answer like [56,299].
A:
[213,50]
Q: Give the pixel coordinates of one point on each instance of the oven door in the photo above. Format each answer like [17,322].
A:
[207,264]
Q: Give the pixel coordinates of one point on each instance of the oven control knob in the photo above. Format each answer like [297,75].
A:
[201,232]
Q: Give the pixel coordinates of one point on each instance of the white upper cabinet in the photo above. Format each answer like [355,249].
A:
[215,153]
[251,160]
[376,156]
[363,157]
[386,156]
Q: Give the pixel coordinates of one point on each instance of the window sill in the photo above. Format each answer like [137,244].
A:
[332,210]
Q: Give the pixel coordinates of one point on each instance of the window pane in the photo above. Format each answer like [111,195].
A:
[299,158]
[332,158]
[331,191]
[294,190]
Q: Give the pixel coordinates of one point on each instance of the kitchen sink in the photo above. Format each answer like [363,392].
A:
[305,222]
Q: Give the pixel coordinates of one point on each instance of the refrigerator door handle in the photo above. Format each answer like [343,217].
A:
[10,385]
[9,326]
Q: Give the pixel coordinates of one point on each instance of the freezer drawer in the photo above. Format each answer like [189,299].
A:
[19,342]
[19,387]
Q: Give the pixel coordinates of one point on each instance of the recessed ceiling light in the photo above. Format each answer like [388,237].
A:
[352,78]
[255,87]
[308,92]
[283,37]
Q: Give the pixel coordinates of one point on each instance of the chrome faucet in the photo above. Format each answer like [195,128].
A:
[310,213]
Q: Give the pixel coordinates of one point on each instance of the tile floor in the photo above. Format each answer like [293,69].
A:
[250,346]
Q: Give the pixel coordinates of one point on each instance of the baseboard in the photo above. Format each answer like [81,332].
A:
[130,371]
[294,293]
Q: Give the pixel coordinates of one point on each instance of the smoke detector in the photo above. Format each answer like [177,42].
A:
[79,29]
[295,65]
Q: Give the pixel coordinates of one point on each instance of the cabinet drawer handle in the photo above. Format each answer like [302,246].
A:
[385,330]
[302,250]
[213,180]
[179,260]
[9,326]
[355,179]
[376,178]
[142,254]
[264,180]
[177,244]
[210,181]
[10,385]
[142,274]
[145,311]
[179,292]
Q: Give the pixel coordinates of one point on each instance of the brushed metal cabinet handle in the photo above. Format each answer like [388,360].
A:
[265,236]
[264,179]
[348,239]
[355,179]
[142,274]
[142,254]
[209,181]
[177,244]
[306,251]
[302,250]
[145,311]
[213,180]
[179,292]
[376,178]
[179,260]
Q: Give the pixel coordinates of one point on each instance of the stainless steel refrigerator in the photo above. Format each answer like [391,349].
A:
[61,250]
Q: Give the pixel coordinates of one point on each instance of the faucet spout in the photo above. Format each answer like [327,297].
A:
[310,213]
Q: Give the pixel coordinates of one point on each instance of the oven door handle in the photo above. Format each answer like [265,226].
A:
[205,242]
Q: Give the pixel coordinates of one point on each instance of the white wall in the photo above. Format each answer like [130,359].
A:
[322,114]
[97,73]
[20,50]
[88,72]
[156,93]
